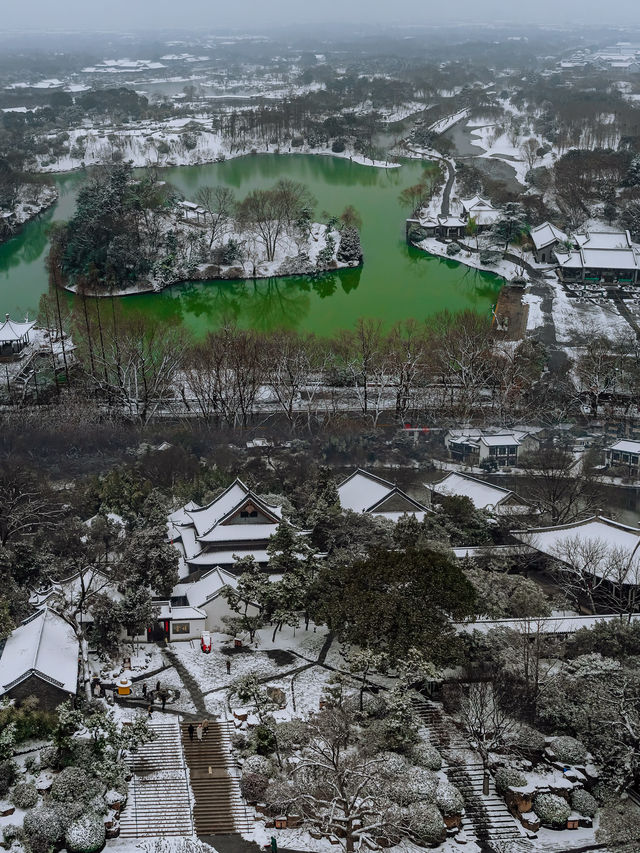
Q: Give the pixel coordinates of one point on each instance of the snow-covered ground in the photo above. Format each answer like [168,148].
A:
[503,268]
[500,147]
[573,320]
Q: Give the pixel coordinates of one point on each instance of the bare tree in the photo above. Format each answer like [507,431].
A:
[270,213]
[486,722]
[219,202]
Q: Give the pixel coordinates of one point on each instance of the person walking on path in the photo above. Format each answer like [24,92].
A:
[191,731]
[150,709]
[205,727]
[228,667]
[144,690]
[157,686]
[164,699]
[199,732]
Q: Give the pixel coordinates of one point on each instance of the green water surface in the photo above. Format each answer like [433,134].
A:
[396,282]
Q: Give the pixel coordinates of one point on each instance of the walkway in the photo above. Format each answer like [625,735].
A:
[215,782]
[159,801]
[191,685]
[486,820]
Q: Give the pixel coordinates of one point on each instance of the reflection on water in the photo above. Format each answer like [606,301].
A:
[396,282]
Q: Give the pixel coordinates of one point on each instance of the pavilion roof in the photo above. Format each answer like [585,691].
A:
[12,330]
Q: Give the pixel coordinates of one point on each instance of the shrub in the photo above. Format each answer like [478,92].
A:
[257,764]
[43,828]
[49,757]
[297,142]
[489,256]
[24,796]
[253,786]
[85,835]
[31,764]
[8,775]
[11,833]
[583,803]
[392,764]
[349,250]
[568,750]
[449,799]
[454,249]
[507,777]
[425,755]
[427,825]
[74,785]
[552,810]
[338,146]
[419,786]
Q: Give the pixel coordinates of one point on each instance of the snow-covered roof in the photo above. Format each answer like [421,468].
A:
[209,586]
[239,533]
[546,234]
[507,439]
[228,557]
[626,446]
[222,507]
[602,258]
[11,330]
[608,538]
[361,490]
[483,495]
[71,589]
[452,221]
[45,646]
[545,625]
[604,240]
[177,614]
[365,492]
[476,203]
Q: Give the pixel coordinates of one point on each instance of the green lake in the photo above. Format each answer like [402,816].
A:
[396,282]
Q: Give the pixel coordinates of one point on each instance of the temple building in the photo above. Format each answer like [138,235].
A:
[237,523]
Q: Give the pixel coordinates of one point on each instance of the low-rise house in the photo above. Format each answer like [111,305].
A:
[207,595]
[545,239]
[600,257]
[481,211]
[476,446]
[40,659]
[237,523]
[623,453]
[484,496]
[365,492]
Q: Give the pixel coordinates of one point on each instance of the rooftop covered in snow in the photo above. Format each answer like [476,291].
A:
[45,646]
[484,496]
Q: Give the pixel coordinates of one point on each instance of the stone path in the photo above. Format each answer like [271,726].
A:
[191,685]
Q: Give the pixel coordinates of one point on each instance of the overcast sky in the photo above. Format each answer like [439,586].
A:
[251,14]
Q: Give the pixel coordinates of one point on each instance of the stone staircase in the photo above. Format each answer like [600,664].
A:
[159,801]
[486,820]
[215,781]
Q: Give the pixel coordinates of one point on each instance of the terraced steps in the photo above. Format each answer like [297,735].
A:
[486,818]
[215,781]
[159,801]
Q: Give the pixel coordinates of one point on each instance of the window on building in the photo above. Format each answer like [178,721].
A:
[180,628]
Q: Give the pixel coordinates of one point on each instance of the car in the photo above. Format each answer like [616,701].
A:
[205,642]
